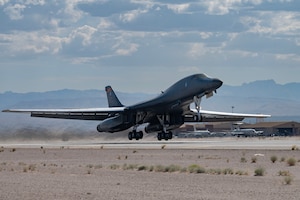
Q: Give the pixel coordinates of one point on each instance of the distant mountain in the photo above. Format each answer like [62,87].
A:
[64,99]
[255,97]
[263,89]
[268,97]
[258,97]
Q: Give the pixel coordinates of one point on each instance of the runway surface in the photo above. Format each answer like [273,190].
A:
[203,143]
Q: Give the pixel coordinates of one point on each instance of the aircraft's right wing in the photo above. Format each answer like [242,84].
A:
[72,113]
[214,116]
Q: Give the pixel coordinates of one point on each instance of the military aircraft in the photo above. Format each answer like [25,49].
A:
[162,114]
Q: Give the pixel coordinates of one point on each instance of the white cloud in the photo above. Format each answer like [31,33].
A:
[71,10]
[34,2]
[3,2]
[15,11]
[205,35]
[288,57]
[105,24]
[171,35]
[82,60]
[85,32]
[32,43]
[222,7]
[287,23]
[178,8]
[131,15]
[197,50]
[126,49]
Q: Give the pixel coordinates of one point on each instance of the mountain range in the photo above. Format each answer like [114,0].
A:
[255,97]
[267,97]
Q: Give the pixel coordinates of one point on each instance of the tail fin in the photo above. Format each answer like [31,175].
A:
[112,98]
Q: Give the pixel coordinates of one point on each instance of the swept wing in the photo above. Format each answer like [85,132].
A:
[72,113]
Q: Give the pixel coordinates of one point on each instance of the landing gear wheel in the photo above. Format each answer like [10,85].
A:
[159,136]
[165,136]
[130,135]
[140,134]
[135,135]
[170,135]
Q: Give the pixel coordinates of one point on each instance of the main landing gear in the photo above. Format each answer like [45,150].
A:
[135,135]
[165,135]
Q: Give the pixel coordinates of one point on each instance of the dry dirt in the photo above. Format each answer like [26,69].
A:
[63,173]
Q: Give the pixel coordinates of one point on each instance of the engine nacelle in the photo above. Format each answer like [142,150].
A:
[113,124]
[150,128]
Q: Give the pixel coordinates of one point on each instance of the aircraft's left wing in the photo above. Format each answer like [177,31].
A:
[72,113]
[214,116]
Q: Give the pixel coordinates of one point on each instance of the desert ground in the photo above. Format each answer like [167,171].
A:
[161,171]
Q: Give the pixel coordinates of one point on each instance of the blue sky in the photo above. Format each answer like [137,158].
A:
[144,46]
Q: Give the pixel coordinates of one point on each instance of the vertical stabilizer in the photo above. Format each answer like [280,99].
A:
[112,98]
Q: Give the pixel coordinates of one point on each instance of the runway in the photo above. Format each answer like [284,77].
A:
[203,143]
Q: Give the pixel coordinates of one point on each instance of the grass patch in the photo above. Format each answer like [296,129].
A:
[159,168]
[243,160]
[228,171]
[273,159]
[240,173]
[151,168]
[173,168]
[253,159]
[288,180]
[196,169]
[90,166]
[114,167]
[291,161]
[284,173]
[31,167]
[129,167]
[294,147]
[214,171]
[142,168]
[259,171]
[193,169]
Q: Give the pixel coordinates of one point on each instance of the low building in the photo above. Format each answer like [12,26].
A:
[276,128]
[269,128]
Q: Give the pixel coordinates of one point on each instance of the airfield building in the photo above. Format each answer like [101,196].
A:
[269,128]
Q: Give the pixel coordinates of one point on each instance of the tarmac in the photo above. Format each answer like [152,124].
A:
[276,143]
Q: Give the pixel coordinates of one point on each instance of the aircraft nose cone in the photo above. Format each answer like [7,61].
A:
[217,82]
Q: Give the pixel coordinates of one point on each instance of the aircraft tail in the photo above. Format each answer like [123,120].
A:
[112,98]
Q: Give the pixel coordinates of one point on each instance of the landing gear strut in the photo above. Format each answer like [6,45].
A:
[135,135]
[166,135]
[197,101]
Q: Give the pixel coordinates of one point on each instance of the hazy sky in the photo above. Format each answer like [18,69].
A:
[145,45]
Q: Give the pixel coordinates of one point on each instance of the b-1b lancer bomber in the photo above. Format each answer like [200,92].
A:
[161,114]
